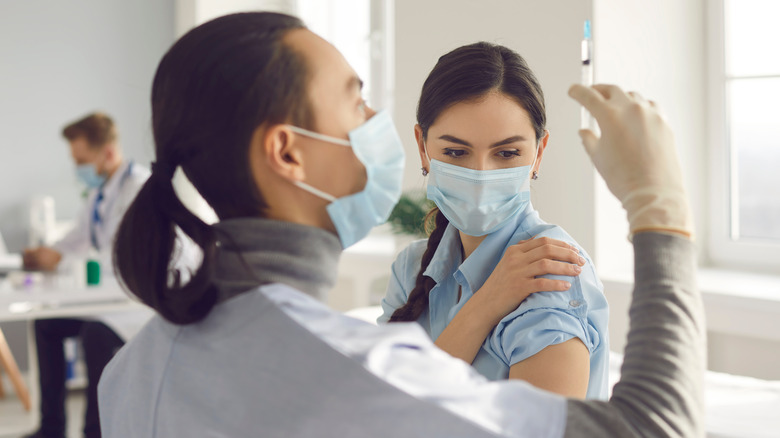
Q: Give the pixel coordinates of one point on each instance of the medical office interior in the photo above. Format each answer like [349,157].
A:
[712,65]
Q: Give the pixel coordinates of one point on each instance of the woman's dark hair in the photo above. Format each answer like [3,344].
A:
[214,87]
[468,73]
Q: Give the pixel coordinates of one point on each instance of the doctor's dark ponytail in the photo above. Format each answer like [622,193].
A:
[464,74]
[212,90]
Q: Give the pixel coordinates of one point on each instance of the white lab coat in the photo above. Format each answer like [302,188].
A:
[118,193]
[276,362]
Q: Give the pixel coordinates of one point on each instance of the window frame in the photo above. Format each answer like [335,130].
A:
[747,254]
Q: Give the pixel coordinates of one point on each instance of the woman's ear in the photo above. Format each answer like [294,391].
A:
[540,151]
[275,147]
[424,161]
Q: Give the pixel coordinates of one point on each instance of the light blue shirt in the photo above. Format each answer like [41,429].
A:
[543,319]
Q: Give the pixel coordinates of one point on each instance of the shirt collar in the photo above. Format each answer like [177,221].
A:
[115,182]
[447,256]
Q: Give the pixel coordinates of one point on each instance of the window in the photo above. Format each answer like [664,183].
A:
[360,29]
[744,124]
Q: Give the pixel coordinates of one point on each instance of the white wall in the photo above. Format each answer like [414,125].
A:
[656,48]
[60,61]
[547,35]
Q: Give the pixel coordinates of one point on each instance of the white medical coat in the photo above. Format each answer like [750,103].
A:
[118,193]
[275,362]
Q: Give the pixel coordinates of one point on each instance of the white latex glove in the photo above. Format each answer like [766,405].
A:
[637,157]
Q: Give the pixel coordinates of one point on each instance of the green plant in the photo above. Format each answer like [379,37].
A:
[409,214]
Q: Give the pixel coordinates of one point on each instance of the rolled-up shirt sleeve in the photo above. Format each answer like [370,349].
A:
[544,319]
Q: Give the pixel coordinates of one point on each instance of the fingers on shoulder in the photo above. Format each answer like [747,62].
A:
[551,285]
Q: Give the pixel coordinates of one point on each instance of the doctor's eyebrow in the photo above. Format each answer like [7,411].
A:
[451,139]
[354,82]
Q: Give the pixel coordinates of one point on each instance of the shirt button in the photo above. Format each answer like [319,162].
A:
[574,303]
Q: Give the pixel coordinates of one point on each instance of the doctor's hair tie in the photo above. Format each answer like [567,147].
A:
[163,169]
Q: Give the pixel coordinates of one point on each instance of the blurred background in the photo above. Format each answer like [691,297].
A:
[712,66]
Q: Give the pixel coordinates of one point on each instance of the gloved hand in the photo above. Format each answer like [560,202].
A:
[637,157]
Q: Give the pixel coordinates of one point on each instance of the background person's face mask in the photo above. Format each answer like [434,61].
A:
[479,202]
[377,145]
[88,175]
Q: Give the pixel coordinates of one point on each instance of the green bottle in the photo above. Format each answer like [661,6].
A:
[93,273]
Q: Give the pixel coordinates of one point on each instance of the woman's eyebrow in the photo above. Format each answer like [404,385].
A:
[452,139]
[516,138]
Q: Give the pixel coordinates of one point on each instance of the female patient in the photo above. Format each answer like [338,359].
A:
[481,136]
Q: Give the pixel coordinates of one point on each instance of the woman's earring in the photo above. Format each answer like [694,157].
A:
[424,171]
[536,175]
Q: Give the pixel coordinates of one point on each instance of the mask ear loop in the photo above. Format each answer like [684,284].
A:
[318,136]
[315,191]
[322,137]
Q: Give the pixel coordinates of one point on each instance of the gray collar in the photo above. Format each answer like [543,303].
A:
[256,251]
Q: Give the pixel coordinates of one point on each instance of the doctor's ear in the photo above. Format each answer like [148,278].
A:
[276,150]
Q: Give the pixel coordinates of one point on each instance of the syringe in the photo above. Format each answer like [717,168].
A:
[586,121]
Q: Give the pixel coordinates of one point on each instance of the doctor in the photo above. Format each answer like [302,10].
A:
[267,121]
[112,184]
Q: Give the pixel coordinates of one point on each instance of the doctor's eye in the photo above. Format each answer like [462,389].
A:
[454,153]
[509,154]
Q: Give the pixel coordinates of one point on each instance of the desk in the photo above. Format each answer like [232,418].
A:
[63,302]
[53,297]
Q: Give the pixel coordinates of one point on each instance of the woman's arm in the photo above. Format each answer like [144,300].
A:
[561,368]
[513,280]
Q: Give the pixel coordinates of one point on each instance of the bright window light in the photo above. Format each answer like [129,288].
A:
[752,90]
[347,25]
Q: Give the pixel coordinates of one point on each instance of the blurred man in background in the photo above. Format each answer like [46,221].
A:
[112,183]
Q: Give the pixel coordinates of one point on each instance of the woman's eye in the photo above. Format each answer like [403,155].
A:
[509,154]
[454,153]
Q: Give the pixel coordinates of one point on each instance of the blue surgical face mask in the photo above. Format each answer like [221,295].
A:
[479,202]
[377,145]
[87,174]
